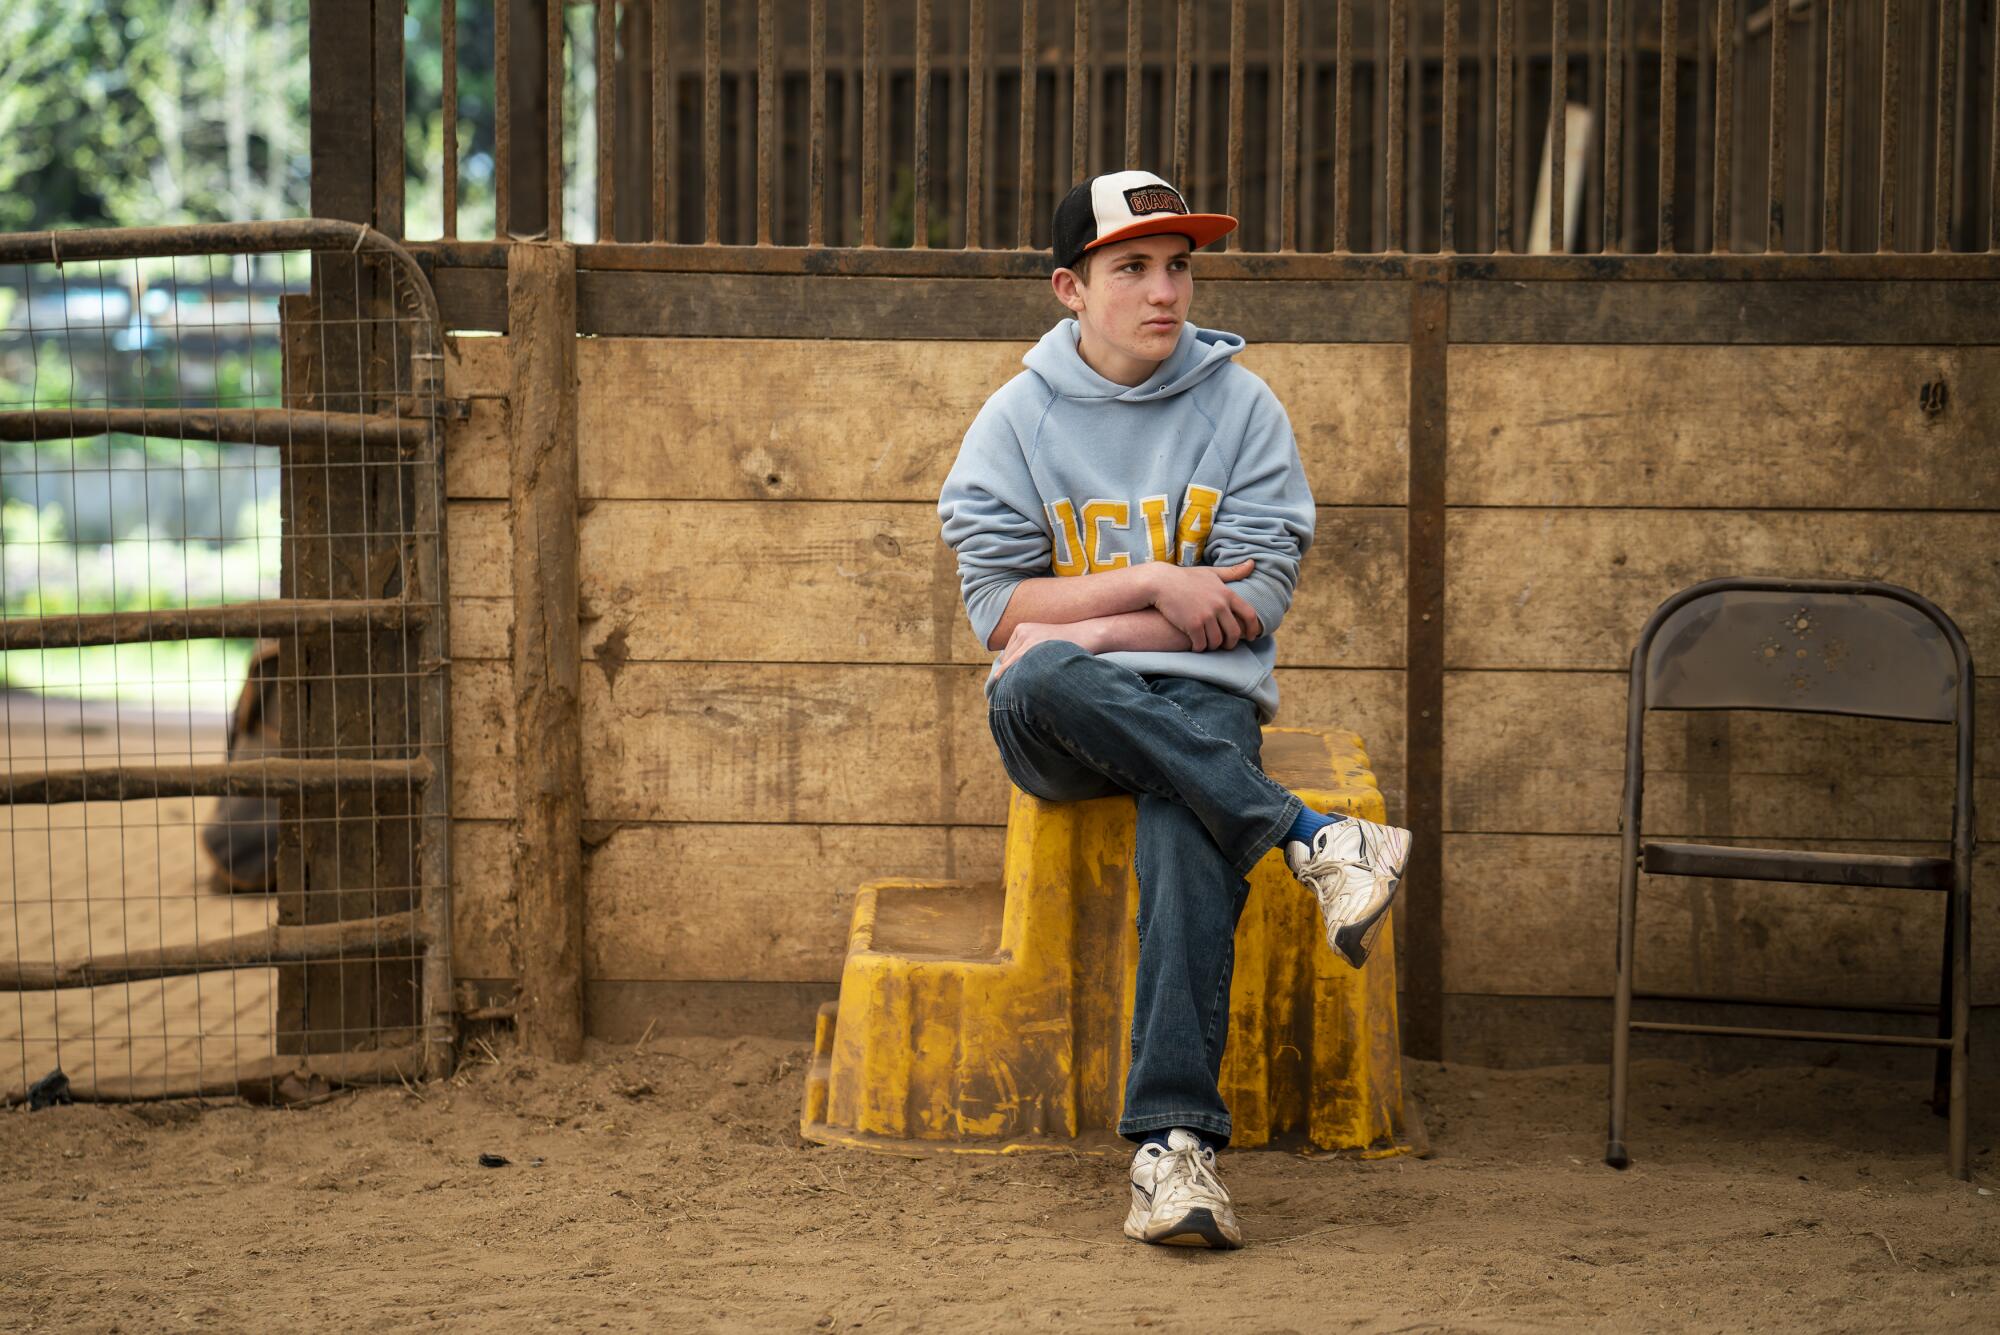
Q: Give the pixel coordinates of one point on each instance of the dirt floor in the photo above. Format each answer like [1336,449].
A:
[666,1188]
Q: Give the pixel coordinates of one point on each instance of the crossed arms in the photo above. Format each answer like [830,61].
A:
[1153,605]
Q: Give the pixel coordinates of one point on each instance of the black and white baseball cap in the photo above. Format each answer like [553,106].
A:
[1121,205]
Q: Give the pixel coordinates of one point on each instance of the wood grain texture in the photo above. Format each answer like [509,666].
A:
[1544,752]
[717,902]
[1535,915]
[1570,589]
[479,371]
[1775,311]
[479,552]
[483,911]
[1813,428]
[844,419]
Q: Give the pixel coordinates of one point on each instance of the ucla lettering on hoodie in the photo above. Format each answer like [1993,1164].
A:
[1064,472]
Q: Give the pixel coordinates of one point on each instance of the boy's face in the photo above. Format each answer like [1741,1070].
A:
[1137,297]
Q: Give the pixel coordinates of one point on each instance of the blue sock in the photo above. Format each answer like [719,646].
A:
[1308,824]
[1160,1137]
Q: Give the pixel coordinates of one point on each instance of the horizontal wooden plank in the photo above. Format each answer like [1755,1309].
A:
[875,419]
[1544,752]
[478,371]
[479,557]
[1536,915]
[1548,588]
[872,583]
[831,744]
[1781,310]
[1798,427]
[718,902]
[482,899]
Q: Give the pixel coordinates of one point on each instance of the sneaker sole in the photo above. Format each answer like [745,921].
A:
[1391,851]
[1198,1228]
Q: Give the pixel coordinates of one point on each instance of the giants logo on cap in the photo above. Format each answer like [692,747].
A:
[1146,199]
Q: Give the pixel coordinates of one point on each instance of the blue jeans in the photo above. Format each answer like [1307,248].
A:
[1072,726]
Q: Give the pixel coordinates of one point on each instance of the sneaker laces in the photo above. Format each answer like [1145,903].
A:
[1188,1172]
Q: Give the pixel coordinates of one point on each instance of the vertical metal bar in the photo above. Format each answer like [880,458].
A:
[1235,163]
[1993,147]
[816,148]
[663,143]
[871,120]
[975,128]
[1670,108]
[1288,130]
[1947,123]
[1704,119]
[503,114]
[1503,134]
[1420,917]
[920,210]
[554,68]
[1135,23]
[1079,108]
[1024,224]
[448,25]
[1448,136]
[1774,181]
[1892,81]
[1833,152]
[1392,142]
[1307,184]
[1184,91]
[1558,122]
[1343,121]
[711,121]
[1720,203]
[1613,238]
[1589,223]
[607,118]
[767,112]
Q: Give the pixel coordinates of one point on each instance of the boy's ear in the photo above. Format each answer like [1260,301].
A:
[1069,289]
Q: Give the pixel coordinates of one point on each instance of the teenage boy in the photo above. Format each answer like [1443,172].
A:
[1128,515]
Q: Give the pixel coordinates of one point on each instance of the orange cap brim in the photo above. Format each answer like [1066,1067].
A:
[1200,228]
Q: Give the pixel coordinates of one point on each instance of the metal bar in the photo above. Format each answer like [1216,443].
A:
[1802,1035]
[389,113]
[448,31]
[663,144]
[553,67]
[1791,1003]
[1558,123]
[230,778]
[1024,221]
[1947,124]
[1833,151]
[241,426]
[1670,107]
[1079,107]
[975,128]
[503,112]
[1503,134]
[1134,31]
[1613,229]
[607,119]
[1288,167]
[1774,180]
[711,121]
[258,620]
[1420,917]
[920,204]
[1184,91]
[767,113]
[871,121]
[1307,184]
[1448,136]
[1892,87]
[1722,198]
[816,149]
[1236,97]
[1392,142]
[356,938]
[1343,121]
[1993,147]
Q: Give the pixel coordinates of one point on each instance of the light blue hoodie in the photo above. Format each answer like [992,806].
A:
[1065,472]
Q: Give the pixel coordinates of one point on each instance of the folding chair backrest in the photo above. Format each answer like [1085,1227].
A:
[1804,647]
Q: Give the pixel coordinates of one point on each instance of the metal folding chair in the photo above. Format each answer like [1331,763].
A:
[1851,647]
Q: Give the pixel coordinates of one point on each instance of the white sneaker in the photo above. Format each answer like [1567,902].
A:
[1354,867]
[1176,1197]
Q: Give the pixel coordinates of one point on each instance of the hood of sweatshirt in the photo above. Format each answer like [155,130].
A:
[1197,355]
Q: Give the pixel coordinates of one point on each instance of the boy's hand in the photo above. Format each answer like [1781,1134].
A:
[1202,606]
[1031,633]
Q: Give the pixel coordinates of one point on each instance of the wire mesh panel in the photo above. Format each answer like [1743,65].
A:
[221,633]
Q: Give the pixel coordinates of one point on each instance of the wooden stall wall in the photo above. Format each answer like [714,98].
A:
[781,698]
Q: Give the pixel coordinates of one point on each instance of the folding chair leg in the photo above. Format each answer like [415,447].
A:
[1960,1014]
[1946,1058]
[1621,1021]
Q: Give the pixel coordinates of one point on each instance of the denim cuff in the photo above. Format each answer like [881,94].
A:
[1138,1128]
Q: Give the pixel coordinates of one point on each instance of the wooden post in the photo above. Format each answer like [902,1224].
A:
[548,775]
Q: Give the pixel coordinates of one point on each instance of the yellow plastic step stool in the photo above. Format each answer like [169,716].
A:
[998,1017]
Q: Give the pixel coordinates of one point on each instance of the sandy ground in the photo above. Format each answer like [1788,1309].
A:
[666,1188]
